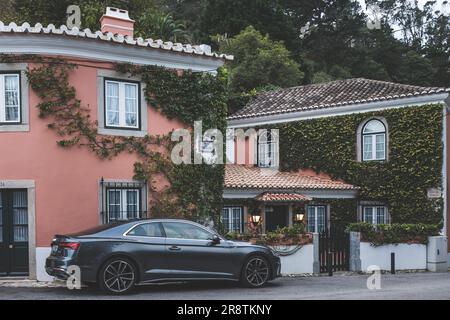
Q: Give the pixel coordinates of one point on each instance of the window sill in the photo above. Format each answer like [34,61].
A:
[15,128]
[122,132]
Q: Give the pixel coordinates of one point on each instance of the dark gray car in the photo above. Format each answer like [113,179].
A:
[119,256]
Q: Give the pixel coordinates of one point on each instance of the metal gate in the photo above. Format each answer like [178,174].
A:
[334,250]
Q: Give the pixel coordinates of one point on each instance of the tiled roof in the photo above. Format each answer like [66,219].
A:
[282,197]
[115,38]
[244,177]
[326,95]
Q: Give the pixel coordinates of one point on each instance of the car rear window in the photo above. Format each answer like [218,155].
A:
[97,229]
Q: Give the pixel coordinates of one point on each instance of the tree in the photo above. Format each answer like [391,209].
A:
[232,16]
[260,62]
[162,26]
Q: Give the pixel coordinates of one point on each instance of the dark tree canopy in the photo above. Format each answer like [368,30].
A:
[316,39]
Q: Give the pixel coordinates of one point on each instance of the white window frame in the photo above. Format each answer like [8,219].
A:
[3,98]
[123,205]
[122,109]
[375,214]
[373,137]
[268,149]
[316,219]
[229,227]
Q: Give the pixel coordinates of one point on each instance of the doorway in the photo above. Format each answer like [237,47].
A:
[14,260]
[276,217]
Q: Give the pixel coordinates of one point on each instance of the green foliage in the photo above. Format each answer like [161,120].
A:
[294,235]
[338,35]
[395,233]
[160,25]
[415,158]
[232,16]
[259,62]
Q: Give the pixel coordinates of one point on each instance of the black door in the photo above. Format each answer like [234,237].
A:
[276,217]
[13,233]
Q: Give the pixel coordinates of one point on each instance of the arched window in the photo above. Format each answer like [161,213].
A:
[374,141]
[268,149]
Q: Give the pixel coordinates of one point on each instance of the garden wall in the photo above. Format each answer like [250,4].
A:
[407,256]
[299,260]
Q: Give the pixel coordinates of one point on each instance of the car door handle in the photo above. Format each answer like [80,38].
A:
[174,248]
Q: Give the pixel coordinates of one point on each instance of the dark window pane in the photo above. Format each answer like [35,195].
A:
[147,230]
[185,231]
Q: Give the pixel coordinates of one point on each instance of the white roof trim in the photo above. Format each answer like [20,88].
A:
[25,30]
[338,111]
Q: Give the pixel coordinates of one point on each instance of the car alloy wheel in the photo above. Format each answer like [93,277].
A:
[118,276]
[256,272]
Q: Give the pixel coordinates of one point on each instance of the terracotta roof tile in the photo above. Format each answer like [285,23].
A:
[282,197]
[326,95]
[244,177]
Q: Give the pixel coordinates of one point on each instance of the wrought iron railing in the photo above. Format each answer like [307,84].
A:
[112,211]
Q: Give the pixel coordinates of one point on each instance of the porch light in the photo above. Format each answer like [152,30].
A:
[299,217]
[256,218]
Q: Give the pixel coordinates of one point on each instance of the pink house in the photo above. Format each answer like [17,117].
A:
[41,184]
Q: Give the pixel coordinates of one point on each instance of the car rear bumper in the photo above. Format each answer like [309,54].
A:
[58,267]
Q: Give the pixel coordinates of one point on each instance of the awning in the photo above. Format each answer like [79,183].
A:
[282,197]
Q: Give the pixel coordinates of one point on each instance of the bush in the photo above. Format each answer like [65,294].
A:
[294,235]
[395,233]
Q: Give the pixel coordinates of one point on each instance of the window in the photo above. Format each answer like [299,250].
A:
[177,230]
[375,215]
[122,104]
[123,204]
[268,149]
[316,219]
[374,141]
[232,219]
[208,150]
[9,98]
[152,230]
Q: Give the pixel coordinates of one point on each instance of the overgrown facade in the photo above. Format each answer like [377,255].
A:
[336,153]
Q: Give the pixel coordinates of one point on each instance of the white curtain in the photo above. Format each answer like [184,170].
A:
[12,98]
[112,103]
[131,105]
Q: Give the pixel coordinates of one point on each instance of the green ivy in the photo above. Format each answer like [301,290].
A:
[395,233]
[415,159]
[195,191]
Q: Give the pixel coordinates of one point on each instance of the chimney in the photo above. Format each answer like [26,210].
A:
[117,21]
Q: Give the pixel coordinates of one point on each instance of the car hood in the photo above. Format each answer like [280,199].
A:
[244,244]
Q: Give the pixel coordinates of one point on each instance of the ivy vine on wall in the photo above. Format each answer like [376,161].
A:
[414,165]
[195,191]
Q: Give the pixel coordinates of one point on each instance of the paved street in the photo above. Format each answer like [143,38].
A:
[400,286]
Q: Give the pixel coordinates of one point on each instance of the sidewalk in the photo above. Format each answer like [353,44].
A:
[19,282]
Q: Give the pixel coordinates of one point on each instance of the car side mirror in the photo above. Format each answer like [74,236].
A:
[215,241]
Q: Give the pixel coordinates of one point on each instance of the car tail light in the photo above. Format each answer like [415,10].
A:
[69,245]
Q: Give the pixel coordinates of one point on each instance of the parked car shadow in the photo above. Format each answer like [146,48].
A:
[178,287]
